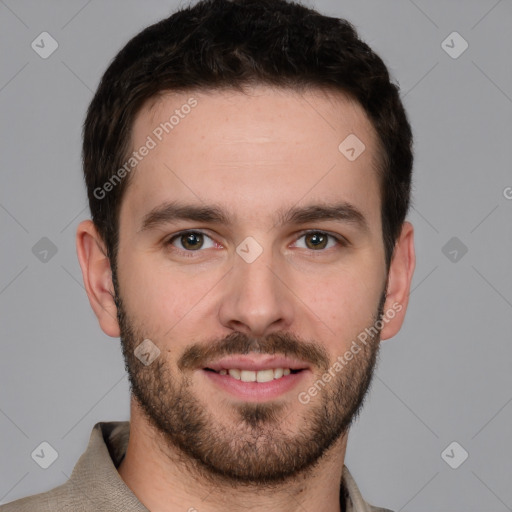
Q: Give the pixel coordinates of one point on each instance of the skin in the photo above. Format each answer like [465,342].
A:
[251,154]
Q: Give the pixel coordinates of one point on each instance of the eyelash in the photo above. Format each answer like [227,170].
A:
[340,241]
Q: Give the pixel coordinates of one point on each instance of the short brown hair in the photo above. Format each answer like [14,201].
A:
[233,43]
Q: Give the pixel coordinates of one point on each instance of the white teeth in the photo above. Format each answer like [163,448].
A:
[235,374]
[256,376]
[265,375]
[247,376]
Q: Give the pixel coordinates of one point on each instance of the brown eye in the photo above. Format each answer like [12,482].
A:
[316,240]
[191,241]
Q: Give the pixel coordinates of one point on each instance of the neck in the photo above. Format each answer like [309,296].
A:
[164,482]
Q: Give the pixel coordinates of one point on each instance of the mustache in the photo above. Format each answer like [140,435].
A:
[199,355]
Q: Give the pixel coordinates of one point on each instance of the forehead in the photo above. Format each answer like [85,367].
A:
[253,152]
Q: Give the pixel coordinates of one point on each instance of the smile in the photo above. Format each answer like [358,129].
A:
[256,386]
[266,375]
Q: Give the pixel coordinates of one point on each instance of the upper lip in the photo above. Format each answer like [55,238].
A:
[256,363]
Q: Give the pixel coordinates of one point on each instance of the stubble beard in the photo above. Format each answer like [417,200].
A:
[254,446]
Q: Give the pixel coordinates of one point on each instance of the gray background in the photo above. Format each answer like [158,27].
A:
[446,377]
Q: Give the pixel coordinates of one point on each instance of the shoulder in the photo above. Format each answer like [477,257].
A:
[94,483]
[353,499]
[55,500]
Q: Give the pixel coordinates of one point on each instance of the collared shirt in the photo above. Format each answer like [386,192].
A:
[96,486]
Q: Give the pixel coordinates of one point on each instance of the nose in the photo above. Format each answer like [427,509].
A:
[256,299]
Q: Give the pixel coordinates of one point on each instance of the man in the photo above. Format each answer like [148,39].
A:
[248,166]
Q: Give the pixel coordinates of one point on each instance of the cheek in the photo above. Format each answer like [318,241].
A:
[347,302]
[160,297]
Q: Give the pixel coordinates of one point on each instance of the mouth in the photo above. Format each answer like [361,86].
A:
[256,379]
[265,375]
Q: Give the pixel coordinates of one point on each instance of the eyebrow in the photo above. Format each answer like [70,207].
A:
[172,211]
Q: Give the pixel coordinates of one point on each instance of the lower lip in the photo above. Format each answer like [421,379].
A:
[256,391]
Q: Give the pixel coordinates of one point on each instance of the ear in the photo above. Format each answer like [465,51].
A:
[97,276]
[400,275]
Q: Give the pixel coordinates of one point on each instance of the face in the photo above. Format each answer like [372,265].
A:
[251,256]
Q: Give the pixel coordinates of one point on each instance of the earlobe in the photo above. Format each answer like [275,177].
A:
[97,276]
[399,282]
